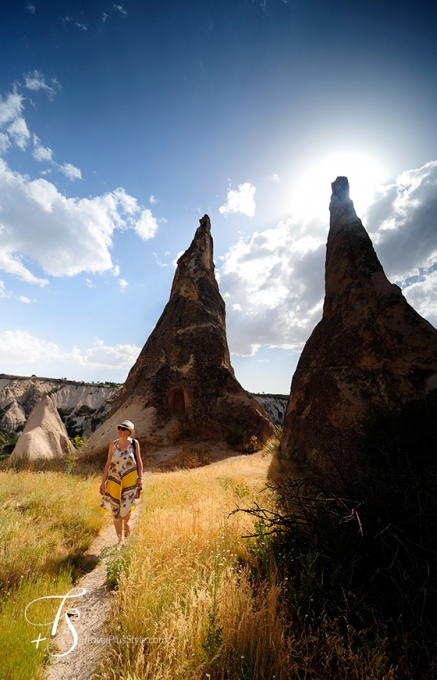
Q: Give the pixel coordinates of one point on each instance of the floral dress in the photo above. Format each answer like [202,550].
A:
[122,479]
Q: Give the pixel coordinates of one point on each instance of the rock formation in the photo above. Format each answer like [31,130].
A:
[184,370]
[84,405]
[275,405]
[371,348]
[44,436]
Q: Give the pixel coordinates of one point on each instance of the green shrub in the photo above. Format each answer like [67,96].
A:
[85,410]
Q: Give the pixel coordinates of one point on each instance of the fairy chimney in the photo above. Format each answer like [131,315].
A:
[184,369]
[44,436]
[370,350]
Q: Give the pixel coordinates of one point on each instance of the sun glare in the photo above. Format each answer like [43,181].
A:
[311,196]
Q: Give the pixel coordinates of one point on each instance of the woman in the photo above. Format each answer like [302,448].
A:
[122,478]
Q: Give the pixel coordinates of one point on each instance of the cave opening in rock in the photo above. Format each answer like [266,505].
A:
[177,402]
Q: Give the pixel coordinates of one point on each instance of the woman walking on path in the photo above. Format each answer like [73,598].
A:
[122,478]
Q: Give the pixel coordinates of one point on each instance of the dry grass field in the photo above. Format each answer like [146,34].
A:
[47,522]
[190,602]
[193,596]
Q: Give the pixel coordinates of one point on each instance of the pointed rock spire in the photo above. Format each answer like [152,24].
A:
[184,369]
[44,436]
[370,349]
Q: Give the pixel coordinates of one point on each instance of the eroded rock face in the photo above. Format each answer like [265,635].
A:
[44,436]
[184,369]
[85,405]
[371,348]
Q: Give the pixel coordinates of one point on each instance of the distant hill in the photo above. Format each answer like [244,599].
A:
[82,406]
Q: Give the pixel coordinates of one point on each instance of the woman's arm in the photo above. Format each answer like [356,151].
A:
[139,463]
[106,470]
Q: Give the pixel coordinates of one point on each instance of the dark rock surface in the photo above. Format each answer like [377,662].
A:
[370,350]
[184,370]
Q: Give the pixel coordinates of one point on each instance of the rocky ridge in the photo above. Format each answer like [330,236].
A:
[83,406]
[371,350]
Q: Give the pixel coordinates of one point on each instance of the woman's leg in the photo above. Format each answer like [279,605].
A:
[118,524]
[126,525]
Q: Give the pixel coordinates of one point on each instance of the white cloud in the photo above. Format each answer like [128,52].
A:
[403,222]
[274,282]
[273,178]
[70,171]
[158,261]
[120,8]
[10,108]
[24,299]
[14,130]
[422,295]
[104,356]
[89,283]
[41,153]
[146,226]
[36,81]
[240,200]
[30,7]
[274,286]
[81,26]
[4,142]
[123,283]
[2,290]
[116,270]
[19,132]
[65,236]
[152,199]
[20,347]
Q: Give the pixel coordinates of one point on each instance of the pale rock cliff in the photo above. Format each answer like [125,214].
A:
[370,350]
[84,406]
[274,404]
[44,436]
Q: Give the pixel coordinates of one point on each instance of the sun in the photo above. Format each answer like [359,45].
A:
[311,196]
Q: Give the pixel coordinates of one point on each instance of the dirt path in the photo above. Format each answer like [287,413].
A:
[94,607]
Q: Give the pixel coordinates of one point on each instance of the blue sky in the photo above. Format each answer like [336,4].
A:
[122,124]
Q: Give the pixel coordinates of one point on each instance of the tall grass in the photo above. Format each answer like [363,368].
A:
[191,602]
[47,521]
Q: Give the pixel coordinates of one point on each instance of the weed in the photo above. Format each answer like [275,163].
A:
[78,442]
[252,445]
[116,564]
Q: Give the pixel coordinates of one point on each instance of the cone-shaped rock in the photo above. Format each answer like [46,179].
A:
[371,348]
[184,369]
[44,436]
